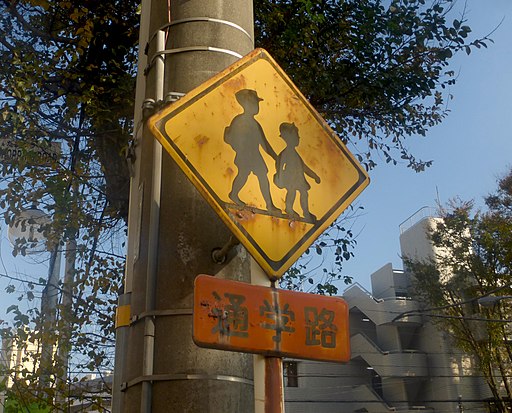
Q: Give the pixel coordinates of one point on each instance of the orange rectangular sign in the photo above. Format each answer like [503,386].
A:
[231,315]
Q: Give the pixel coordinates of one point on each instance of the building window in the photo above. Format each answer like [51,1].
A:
[291,378]
[404,295]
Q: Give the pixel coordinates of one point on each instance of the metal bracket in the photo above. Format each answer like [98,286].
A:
[161,313]
[173,97]
[150,106]
[190,49]
[219,255]
[194,20]
[184,376]
[207,20]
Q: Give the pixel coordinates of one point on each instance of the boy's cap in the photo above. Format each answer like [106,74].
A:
[245,95]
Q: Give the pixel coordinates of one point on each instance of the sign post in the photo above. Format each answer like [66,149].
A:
[235,316]
[278,176]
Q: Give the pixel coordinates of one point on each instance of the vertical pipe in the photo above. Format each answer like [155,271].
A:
[123,315]
[135,211]
[154,225]
[134,217]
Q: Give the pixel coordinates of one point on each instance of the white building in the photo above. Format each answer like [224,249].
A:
[85,394]
[14,359]
[397,364]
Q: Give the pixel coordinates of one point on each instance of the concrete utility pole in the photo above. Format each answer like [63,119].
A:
[173,231]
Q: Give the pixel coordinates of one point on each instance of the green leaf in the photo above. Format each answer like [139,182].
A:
[11,308]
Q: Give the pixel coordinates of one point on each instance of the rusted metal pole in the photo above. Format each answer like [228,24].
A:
[274,393]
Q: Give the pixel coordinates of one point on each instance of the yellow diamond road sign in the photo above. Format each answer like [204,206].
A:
[263,158]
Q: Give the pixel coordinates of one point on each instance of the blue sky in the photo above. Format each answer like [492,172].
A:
[470,149]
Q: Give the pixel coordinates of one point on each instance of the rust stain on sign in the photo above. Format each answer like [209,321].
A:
[235,316]
[263,158]
[201,140]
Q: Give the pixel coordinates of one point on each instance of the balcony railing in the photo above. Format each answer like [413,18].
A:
[420,214]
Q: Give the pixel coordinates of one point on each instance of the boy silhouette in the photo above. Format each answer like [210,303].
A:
[245,135]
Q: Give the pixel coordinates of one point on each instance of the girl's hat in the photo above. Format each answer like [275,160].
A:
[288,128]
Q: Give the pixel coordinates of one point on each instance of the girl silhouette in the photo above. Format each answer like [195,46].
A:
[291,173]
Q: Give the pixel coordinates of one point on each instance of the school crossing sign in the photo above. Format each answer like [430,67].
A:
[263,158]
[236,316]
